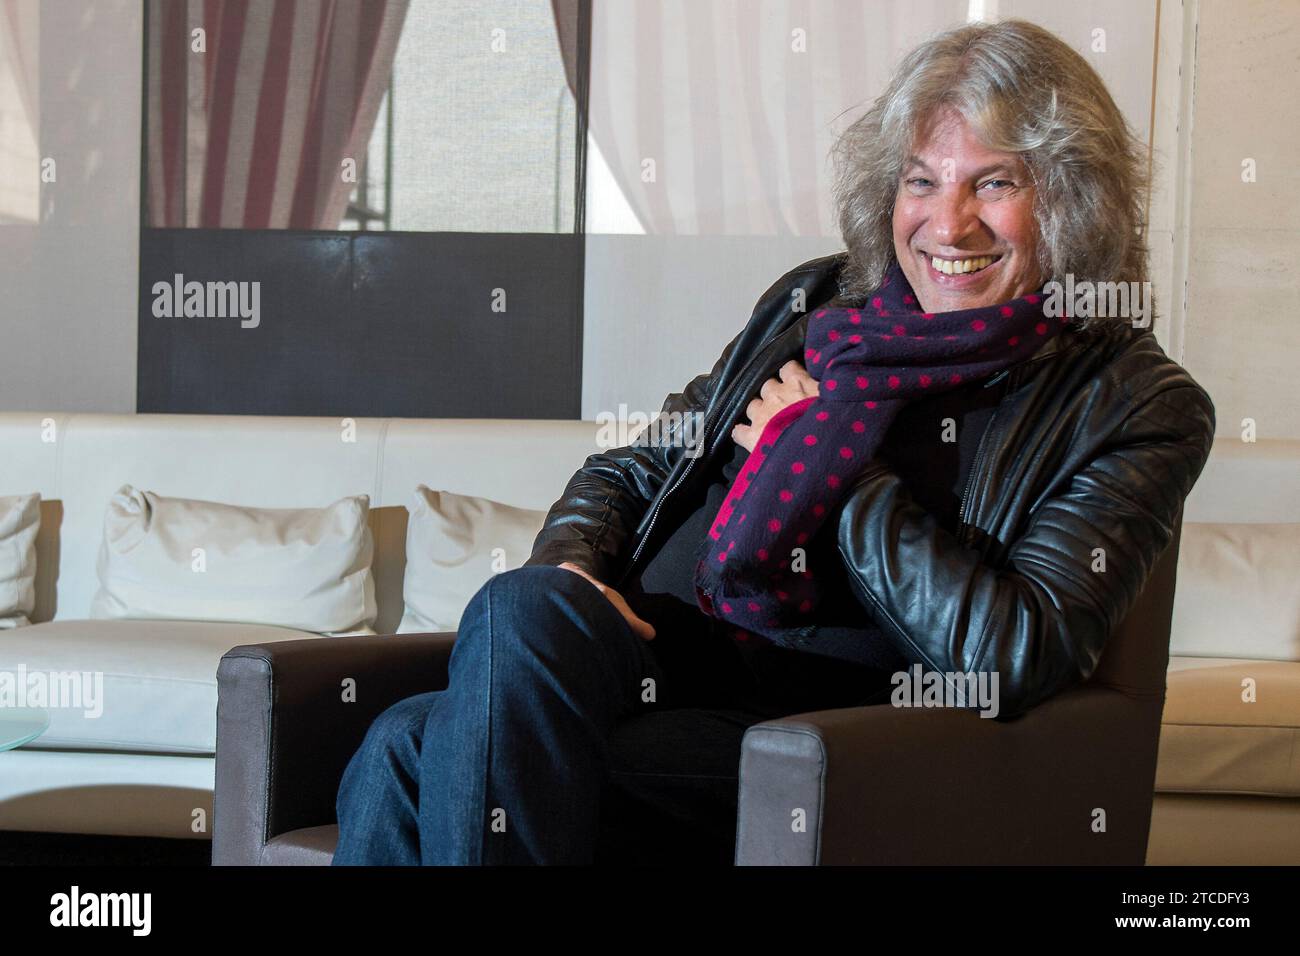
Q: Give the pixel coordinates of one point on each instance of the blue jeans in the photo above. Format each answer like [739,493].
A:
[563,738]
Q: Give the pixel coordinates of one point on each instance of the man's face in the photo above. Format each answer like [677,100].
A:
[965,204]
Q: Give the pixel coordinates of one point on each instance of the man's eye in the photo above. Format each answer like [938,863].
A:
[919,181]
[999,183]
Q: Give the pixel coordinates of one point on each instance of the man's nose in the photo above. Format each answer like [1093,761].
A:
[956,216]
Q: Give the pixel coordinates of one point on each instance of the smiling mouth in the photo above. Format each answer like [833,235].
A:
[959,267]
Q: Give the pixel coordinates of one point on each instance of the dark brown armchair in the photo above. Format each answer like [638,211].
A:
[1069,782]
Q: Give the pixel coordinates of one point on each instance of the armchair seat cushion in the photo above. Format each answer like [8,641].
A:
[156,689]
[310,846]
[1214,741]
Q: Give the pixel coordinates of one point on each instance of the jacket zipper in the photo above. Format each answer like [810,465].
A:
[1013,375]
[704,437]
[1012,379]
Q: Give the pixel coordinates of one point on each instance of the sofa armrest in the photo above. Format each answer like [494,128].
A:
[891,785]
[286,731]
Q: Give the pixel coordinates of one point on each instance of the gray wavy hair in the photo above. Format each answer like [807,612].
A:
[1024,91]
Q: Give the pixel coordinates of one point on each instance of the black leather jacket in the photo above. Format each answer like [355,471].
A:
[1096,443]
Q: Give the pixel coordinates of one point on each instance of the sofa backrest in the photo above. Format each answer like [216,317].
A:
[77,462]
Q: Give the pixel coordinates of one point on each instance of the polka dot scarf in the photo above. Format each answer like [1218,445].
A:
[869,362]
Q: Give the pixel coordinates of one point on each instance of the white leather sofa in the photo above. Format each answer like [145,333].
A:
[145,767]
[1228,780]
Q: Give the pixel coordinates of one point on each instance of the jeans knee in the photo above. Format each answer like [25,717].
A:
[543,608]
[399,726]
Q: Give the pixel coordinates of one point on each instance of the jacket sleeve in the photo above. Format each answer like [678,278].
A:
[1041,621]
[605,500]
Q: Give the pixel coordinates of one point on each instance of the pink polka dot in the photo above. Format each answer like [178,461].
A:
[833,335]
[894,381]
[805,605]
[754,607]
[978,325]
[846,452]
[810,439]
[808,354]
[820,313]
[855,338]
[833,480]
[819,510]
[925,381]
[955,378]
[855,318]
[861,382]
[797,468]
[782,596]
[787,494]
[1007,312]
[722,556]
[773,525]
[869,404]
[859,427]
[907,297]
[1041,328]
[800,538]
[726,607]
[822,416]
[1013,341]
[899,330]
[927,315]
[878,303]
[762,554]
[830,384]
[1031,299]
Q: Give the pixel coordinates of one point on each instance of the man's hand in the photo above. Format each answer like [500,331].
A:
[794,383]
[642,628]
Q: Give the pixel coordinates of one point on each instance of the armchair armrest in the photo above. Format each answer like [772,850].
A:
[285,733]
[892,785]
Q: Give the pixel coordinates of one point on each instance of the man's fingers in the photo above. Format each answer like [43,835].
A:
[642,628]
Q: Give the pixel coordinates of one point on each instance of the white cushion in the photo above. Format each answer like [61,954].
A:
[1236,595]
[20,519]
[454,543]
[177,558]
[157,680]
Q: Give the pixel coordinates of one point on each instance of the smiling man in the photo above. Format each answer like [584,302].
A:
[920,468]
[964,224]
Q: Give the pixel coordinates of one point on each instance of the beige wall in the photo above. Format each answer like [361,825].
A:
[1240,242]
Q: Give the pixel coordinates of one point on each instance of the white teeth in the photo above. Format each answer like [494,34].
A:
[961,266]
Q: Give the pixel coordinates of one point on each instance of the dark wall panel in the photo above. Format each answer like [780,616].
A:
[367,324]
